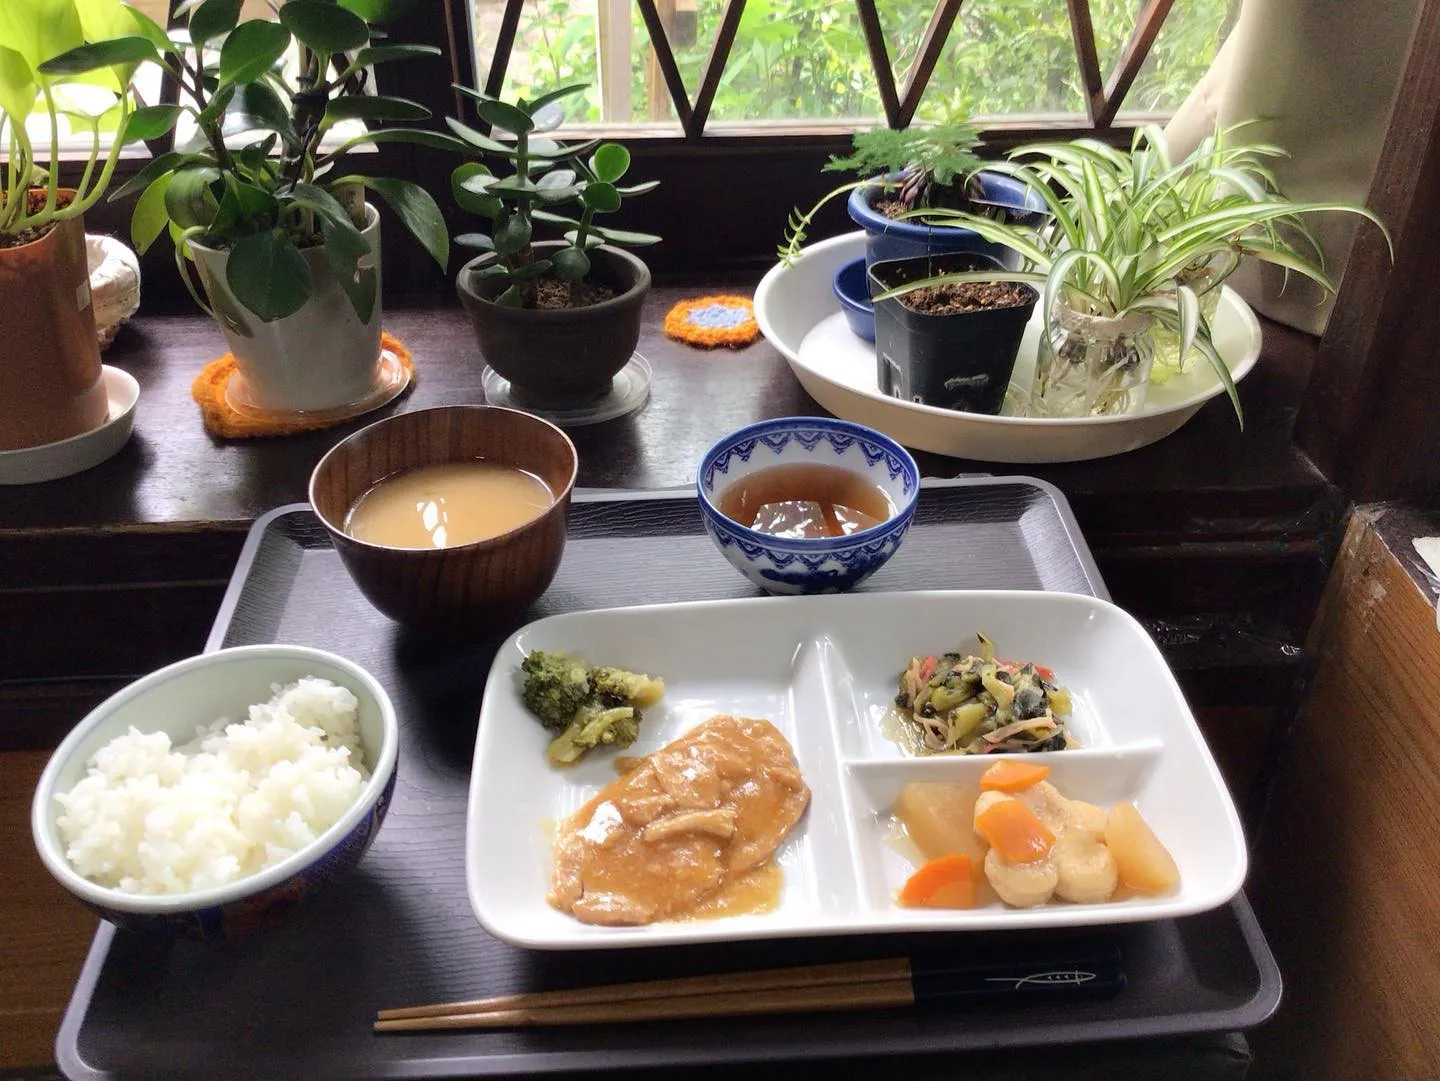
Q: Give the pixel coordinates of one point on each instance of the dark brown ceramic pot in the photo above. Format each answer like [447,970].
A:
[563,357]
[50,378]
[470,588]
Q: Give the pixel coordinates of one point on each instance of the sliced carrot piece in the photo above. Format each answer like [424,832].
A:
[1012,775]
[947,882]
[1014,832]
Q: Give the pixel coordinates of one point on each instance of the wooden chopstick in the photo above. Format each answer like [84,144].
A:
[873,994]
[788,980]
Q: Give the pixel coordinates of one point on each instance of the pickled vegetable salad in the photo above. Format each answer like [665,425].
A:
[964,704]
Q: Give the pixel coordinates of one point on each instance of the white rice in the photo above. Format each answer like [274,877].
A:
[151,819]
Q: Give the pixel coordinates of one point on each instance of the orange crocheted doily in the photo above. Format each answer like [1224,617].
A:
[223,420]
[713,321]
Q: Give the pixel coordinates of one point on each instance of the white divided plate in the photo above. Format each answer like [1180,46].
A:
[823,669]
[799,315]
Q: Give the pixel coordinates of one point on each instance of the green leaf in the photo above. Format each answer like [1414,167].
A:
[150,122]
[256,105]
[325,204]
[559,178]
[436,140]
[626,237]
[517,187]
[479,141]
[368,107]
[600,196]
[189,200]
[345,252]
[512,233]
[252,49]
[554,95]
[148,220]
[417,208]
[638,189]
[609,162]
[462,189]
[475,240]
[384,54]
[377,11]
[268,275]
[155,167]
[151,30]
[244,208]
[511,298]
[324,27]
[530,270]
[501,114]
[571,264]
[215,108]
[213,19]
[17,86]
[101,54]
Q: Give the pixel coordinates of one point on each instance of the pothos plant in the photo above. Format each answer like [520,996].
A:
[275,193]
[54,56]
[1126,231]
[543,175]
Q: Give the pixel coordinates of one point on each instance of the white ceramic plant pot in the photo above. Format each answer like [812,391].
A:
[322,357]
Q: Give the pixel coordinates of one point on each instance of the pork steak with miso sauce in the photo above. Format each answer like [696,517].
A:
[685,821]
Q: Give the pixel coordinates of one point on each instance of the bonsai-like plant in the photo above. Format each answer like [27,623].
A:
[920,166]
[1127,231]
[265,200]
[47,50]
[543,175]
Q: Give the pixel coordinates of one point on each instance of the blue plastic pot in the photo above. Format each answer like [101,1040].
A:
[852,290]
[888,239]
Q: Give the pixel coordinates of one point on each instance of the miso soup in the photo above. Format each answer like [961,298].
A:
[805,499]
[441,506]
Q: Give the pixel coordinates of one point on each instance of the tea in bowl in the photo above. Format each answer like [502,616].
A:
[807,504]
[449,519]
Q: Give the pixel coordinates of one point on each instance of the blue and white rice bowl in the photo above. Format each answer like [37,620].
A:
[808,565]
[175,700]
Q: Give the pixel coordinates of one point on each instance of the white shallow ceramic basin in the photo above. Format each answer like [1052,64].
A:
[799,315]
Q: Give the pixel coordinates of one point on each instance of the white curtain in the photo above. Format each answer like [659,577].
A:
[1322,74]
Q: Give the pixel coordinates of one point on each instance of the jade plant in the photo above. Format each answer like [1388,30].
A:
[256,180]
[541,177]
[1125,232]
[52,56]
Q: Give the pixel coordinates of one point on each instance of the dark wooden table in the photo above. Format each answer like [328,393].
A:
[1220,538]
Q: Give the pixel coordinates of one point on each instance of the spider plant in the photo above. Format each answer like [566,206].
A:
[1128,231]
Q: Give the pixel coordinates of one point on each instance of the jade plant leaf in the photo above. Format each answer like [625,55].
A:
[268,275]
[610,162]
[368,107]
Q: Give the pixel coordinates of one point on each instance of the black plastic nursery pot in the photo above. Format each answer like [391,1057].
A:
[962,360]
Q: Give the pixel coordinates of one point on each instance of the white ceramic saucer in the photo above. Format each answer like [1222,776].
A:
[31,465]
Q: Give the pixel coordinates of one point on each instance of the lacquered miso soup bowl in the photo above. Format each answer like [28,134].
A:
[808,565]
[467,588]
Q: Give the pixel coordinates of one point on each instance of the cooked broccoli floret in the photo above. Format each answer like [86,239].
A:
[556,686]
[617,686]
[592,726]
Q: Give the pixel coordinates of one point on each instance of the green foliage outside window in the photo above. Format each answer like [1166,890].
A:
[806,59]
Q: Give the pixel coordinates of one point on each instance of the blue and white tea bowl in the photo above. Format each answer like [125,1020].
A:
[822,564]
[179,698]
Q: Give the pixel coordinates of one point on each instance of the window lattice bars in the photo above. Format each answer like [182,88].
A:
[1103,97]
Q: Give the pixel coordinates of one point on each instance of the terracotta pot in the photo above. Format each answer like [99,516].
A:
[562,357]
[50,377]
[321,357]
[469,589]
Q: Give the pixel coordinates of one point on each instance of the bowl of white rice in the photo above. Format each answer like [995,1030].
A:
[212,797]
